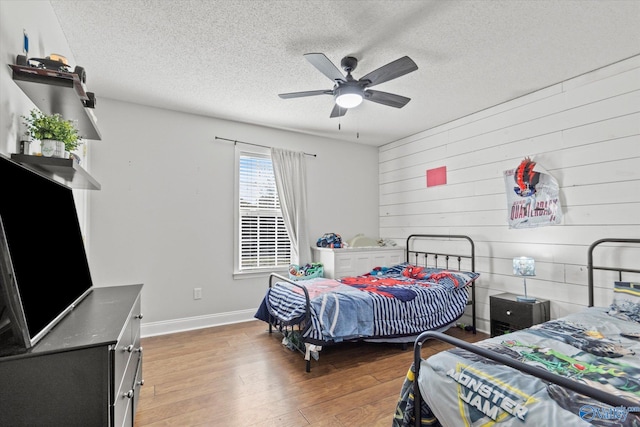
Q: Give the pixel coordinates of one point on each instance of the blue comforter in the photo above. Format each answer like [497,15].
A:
[401,302]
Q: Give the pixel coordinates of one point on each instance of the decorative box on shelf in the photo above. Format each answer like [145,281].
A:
[58,92]
[345,262]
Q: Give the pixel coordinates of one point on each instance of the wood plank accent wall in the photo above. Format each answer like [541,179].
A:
[584,131]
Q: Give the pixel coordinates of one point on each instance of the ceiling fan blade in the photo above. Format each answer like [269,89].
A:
[306,93]
[392,70]
[338,111]
[390,99]
[325,66]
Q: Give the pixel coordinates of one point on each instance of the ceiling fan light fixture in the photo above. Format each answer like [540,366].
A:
[348,96]
[349,92]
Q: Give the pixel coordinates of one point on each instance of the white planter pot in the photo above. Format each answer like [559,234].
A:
[52,148]
[48,147]
[59,150]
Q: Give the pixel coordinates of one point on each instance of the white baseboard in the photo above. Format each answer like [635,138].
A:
[198,322]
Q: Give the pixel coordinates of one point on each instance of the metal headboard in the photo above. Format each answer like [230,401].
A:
[415,254]
[619,270]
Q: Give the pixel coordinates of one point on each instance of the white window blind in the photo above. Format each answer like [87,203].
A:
[264,241]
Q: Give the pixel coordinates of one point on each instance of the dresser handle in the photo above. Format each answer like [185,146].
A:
[128,394]
[139,316]
[141,382]
[139,349]
[128,348]
[508,312]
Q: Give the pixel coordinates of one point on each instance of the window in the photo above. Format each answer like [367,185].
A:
[263,242]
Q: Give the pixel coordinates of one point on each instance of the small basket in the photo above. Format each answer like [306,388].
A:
[308,271]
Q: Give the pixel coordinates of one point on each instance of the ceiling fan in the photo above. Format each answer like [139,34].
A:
[349,92]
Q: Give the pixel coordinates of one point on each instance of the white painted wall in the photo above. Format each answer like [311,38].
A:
[584,131]
[164,215]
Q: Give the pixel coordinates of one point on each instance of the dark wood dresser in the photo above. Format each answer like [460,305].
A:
[87,371]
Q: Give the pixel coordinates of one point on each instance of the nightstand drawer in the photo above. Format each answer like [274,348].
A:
[506,311]
[508,314]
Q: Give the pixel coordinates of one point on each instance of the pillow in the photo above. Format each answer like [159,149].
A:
[442,276]
[626,301]
[626,293]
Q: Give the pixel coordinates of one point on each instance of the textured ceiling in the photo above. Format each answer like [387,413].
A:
[230,59]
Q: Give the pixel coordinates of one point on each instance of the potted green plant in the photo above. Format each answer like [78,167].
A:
[52,128]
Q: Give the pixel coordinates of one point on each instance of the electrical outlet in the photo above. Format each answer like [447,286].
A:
[197,293]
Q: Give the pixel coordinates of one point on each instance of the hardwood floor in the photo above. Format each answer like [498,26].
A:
[240,375]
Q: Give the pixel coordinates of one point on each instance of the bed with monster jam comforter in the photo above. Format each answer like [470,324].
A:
[580,369]
[594,347]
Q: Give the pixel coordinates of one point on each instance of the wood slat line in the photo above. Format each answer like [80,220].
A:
[240,375]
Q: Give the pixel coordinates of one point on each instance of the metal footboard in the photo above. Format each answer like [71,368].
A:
[307,316]
[439,257]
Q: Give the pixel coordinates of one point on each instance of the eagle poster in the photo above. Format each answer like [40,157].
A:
[533,198]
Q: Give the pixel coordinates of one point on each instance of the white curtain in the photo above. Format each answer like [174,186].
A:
[291,181]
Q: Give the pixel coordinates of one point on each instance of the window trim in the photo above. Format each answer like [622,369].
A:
[237,272]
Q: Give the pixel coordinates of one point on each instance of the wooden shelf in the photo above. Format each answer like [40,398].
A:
[58,92]
[64,171]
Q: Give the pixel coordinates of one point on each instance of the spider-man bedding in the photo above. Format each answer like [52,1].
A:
[400,302]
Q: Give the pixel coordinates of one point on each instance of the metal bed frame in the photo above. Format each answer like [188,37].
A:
[420,257]
[584,389]
[447,257]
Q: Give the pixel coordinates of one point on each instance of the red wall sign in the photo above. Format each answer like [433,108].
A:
[437,176]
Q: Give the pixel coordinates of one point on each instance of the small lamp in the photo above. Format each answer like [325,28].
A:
[524,266]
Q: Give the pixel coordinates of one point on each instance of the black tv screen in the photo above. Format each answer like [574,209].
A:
[44,250]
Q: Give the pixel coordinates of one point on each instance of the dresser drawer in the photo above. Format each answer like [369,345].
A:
[124,405]
[356,261]
[138,382]
[344,262]
[127,366]
[122,353]
[394,258]
[123,411]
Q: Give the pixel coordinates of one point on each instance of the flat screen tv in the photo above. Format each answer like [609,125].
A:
[44,270]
